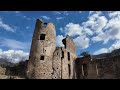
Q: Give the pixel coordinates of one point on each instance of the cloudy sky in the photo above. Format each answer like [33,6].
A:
[93,31]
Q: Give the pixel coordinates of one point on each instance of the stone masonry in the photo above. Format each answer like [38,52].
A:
[100,68]
[46,61]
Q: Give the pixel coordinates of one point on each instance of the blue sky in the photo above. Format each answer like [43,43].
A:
[93,31]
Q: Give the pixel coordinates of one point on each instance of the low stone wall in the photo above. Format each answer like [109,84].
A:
[104,68]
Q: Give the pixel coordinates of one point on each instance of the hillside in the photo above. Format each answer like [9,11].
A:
[113,53]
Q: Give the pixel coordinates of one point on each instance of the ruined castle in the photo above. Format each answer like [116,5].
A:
[46,61]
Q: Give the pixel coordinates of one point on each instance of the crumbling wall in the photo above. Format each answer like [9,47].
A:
[104,68]
[108,68]
[92,70]
[69,44]
[65,70]
[116,61]
[57,64]
[70,56]
[78,69]
[61,65]
[85,68]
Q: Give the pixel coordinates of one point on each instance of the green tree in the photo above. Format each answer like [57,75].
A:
[84,54]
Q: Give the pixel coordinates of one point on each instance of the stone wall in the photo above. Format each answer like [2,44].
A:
[69,56]
[104,68]
[57,64]
[109,68]
[45,60]
[41,53]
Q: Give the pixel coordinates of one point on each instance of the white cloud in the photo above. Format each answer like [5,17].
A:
[14,56]
[80,12]
[95,13]
[45,17]
[57,12]
[6,26]
[61,29]
[72,29]
[110,28]
[66,13]
[59,39]
[90,12]
[82,42]
[100,51]
[115,45]
[59,18]
[26,17]
[17,12]
[20,14]
[14,44]
[88,31]
[93,27]
[96,23]
[113,28]
[113,14]
[101,37]
[27,27]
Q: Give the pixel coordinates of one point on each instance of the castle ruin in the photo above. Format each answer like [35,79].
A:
[46,61]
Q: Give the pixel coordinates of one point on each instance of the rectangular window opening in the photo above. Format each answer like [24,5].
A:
[68,56]
[85,69]
[45,24]
[43,50]
[62,54]
[42,37]
[69,69]
[42,58]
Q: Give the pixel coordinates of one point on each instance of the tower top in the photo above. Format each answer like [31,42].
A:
[40,20]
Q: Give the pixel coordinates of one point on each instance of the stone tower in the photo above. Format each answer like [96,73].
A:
[42,49]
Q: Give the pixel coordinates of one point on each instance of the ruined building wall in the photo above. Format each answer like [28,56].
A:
[42,48]
[78,69]
[85,68]
[104,68]
[57,64]
[109,68]
[69,57]
[63,60]
[66,70]
[92,70]
[116,61]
